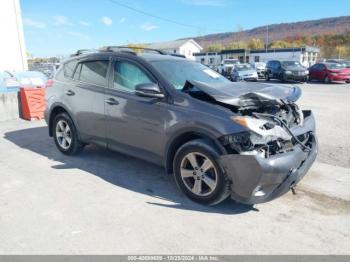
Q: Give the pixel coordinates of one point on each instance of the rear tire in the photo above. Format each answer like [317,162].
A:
[65,135]
[198,174]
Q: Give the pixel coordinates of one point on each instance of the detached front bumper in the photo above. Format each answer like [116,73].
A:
[256,179]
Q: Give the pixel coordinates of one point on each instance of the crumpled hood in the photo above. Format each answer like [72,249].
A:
[243,94]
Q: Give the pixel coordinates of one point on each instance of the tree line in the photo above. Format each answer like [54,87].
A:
[331,45]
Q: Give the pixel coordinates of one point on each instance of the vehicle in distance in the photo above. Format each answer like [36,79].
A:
[286,71]
[226,66]
[260,68]
[245,140]
[329,72]
[243,72]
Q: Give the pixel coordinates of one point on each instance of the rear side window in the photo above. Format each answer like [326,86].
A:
[94,72]
[69,69]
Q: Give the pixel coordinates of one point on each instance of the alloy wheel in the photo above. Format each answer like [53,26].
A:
[199,174]
[63,134]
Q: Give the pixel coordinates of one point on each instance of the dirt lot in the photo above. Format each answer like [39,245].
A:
[102,202]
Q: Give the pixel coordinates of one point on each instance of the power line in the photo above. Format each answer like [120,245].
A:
[154,16]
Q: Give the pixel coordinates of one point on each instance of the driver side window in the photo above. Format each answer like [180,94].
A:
[127,76]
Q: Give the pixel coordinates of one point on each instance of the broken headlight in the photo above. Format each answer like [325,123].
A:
[263,129]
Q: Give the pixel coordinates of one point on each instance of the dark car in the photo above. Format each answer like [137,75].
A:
[329,72]
[218,138]
[286,71]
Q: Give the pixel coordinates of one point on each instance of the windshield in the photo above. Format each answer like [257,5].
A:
[178,72]
[243,67]
[291,64]
[230,62]
[335,66]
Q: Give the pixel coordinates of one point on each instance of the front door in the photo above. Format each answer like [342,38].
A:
[135,125]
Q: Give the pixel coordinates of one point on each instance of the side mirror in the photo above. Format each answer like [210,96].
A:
[148,90]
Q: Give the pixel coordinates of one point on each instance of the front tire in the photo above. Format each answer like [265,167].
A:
[65,135]
[198,174]
[267,76]
[327,80]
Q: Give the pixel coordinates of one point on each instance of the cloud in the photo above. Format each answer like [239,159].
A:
[61,20]
[107,21]
[83,23]
[148,26]
[122,20]
[212,3]
[33,23]
[78,34]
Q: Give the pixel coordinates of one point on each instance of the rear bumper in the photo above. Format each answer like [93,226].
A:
[256,179]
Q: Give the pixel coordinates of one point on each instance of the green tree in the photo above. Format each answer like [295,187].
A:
[255,43]
[215,48]
[280,44]
[236,45]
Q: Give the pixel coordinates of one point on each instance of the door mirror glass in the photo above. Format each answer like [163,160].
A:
[148,90]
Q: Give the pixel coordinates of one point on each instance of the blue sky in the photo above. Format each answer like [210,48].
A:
[59,27]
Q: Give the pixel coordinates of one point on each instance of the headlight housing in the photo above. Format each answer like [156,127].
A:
[264,129]
[287,72]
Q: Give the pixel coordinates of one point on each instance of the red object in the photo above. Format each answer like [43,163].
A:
[321,71]
[33,103]
[49,83]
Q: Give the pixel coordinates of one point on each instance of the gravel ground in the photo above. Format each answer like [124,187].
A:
[102,202]
[331,106]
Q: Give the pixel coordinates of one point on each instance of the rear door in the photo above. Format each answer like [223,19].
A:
[85,98]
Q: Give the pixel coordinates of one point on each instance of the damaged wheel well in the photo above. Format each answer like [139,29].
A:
[177,142]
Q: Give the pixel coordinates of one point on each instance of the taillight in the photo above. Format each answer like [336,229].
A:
[49,83]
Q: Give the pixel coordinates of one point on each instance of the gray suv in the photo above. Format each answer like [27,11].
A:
[245,140]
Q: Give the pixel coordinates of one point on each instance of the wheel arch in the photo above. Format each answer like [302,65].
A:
[181,138]
[57,109]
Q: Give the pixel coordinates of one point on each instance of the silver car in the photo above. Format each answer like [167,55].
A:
[244,72]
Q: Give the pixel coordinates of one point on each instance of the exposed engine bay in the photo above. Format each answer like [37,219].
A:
[268,112]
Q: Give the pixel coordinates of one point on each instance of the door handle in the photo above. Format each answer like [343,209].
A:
[70,93]
[112,101]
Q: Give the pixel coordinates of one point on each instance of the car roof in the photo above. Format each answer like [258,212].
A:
[149,57]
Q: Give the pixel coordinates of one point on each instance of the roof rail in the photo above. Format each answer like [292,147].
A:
[130,49]
[83,51]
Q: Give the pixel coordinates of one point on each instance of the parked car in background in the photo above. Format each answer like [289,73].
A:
[8,82]
[30,78]
[244,72]
[328,72]
[217,138]
[260,68]
[286,71]
[226,66]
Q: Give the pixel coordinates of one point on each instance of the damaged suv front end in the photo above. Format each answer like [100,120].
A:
[278,145]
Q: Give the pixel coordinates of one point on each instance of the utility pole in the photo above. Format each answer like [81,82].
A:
[267,37]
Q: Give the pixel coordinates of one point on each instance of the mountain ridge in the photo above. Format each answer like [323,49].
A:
[280,31]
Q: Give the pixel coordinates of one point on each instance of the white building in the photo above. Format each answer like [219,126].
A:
[186,47]
[307,55]
[12,48]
